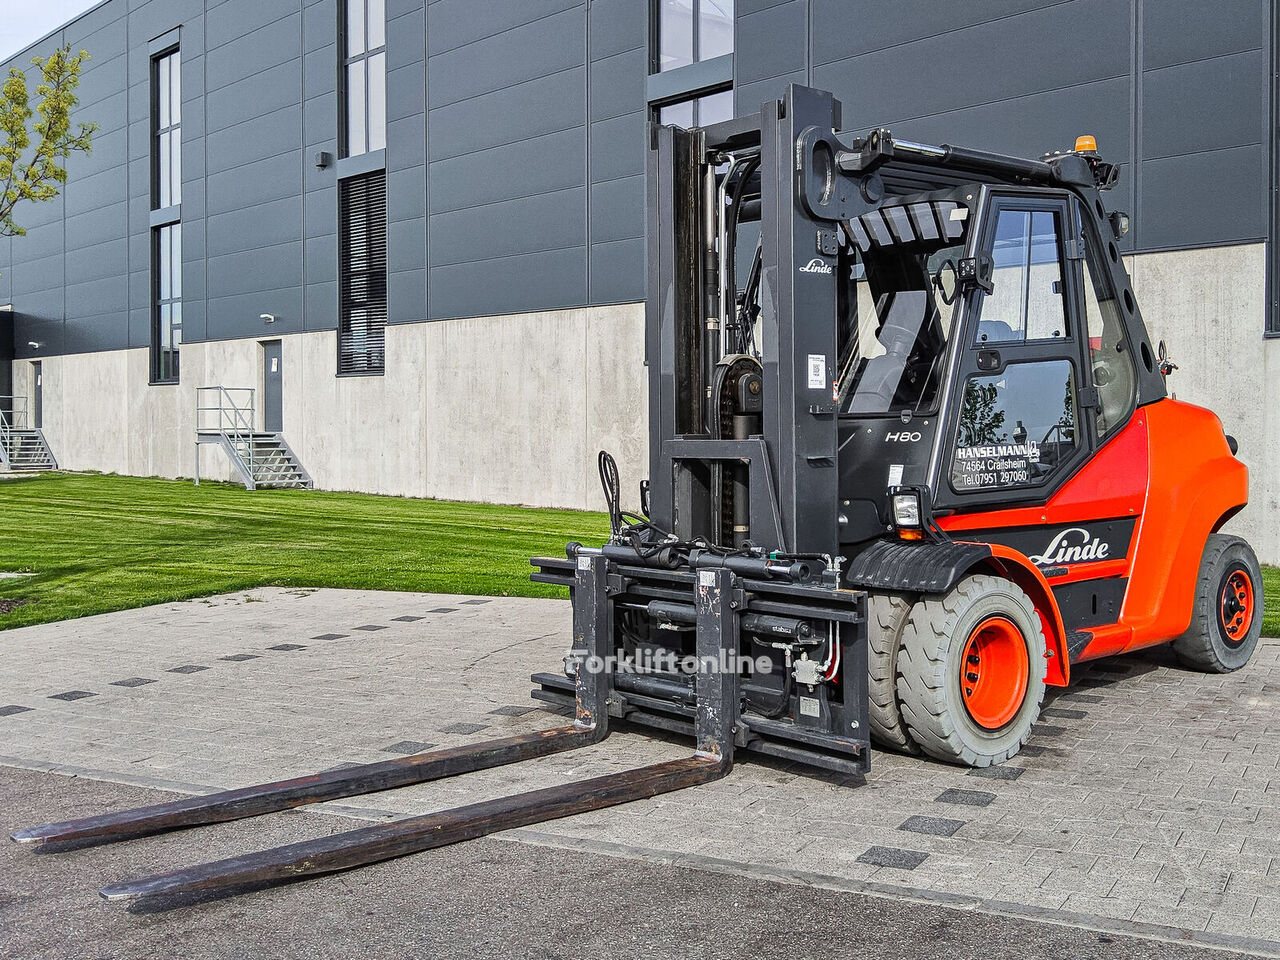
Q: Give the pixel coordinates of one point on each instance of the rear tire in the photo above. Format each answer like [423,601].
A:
[1226,620]
[971,672]
[887,614]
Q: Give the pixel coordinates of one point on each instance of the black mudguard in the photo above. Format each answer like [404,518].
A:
[909,566]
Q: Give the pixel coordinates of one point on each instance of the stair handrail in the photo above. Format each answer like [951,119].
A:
[235,419]
[13,416]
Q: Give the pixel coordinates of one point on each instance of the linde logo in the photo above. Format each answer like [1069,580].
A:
[817,265]
[903,436]
[1073,545]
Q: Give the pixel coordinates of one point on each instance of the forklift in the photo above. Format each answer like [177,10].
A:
[912,458]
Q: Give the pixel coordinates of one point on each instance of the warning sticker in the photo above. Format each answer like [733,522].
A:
[996,465]
[817,371]
[895,474]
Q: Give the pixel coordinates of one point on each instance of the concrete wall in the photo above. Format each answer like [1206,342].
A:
[498,409]
[1208,305]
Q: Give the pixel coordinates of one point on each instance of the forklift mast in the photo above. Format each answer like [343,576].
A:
[791,461]
[752,440]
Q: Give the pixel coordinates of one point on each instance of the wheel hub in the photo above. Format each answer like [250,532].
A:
[1235,606]
[994,672]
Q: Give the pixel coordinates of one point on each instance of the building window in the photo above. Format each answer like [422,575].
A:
[692,30]
[166,312]
[166,112]
[698,112]
[166,230]
[685,90]
[364,76]
[362,274]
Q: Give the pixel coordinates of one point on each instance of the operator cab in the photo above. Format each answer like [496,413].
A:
[983,351]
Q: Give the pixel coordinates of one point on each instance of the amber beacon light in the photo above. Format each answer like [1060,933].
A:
[1086,144]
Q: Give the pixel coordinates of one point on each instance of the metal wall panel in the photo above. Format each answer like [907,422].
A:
[498,75]
[516,134]
[1204,130]
[1175,90]
[618,54]
[406,163]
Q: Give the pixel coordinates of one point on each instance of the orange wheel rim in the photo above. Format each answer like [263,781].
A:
[994,672]
[1235,606]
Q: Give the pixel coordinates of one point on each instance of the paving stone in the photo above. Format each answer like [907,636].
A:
[1031,750]
[370,627]
[331,636]
[894,857]
[1062,714]
[188,668]
[971,798]
[1116,908]
[132,682]
[73,695]
[407,619]
[241,657]
[1241,905]
[1047,730]
[444,610]
[408,747]
[1079,697]
[476,601]
[12,709]
[1264,928]
[933,826]
[512,711]
[997,772]
[464,728]
[286,647]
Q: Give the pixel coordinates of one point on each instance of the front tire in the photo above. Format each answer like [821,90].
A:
[887,615]
[1226,621]
[971,672]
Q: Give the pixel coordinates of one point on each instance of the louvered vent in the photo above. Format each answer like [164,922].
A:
[362,280]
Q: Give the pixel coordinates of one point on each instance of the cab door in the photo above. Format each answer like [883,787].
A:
[1018,424]
[1045,453]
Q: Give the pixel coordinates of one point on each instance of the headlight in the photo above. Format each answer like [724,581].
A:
[906,509]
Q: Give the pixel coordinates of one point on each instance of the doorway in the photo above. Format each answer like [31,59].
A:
[272,386]
[37,394]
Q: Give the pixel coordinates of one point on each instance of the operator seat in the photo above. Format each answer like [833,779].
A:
[883,375]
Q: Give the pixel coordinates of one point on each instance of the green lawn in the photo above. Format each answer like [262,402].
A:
[101,543]
[1271,616]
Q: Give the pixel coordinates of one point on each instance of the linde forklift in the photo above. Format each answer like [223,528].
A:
[911,459]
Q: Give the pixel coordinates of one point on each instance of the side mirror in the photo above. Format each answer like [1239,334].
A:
[947,282]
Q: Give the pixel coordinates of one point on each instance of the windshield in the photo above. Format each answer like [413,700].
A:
[895,325]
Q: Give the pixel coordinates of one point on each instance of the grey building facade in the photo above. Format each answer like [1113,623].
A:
[437,208]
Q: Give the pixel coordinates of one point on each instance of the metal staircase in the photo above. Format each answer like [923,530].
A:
[22,447]
[225,416]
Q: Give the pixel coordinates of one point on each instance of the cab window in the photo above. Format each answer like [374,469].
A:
[1015,427]
[1027,301]
[1110,359]
[894,323]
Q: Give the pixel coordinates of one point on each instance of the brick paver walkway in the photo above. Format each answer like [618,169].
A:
[1149,794]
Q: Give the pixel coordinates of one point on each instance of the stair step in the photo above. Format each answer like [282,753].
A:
[265,460]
